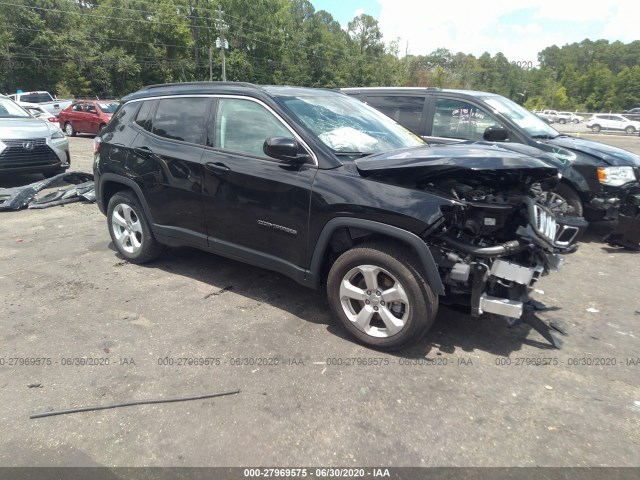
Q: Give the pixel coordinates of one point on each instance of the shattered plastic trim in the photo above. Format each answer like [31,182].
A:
[76,186]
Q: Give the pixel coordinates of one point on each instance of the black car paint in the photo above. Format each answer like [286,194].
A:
[580,173]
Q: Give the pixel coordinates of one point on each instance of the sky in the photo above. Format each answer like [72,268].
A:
[517,28]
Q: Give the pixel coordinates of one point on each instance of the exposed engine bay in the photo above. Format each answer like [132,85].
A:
[499,242]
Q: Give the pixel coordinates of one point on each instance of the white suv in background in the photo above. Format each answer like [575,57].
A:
[603,121]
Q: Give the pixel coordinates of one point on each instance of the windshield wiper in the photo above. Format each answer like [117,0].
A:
[353,154]
[545,137]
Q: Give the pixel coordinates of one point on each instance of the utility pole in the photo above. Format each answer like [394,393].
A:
[210,68]
[221,42]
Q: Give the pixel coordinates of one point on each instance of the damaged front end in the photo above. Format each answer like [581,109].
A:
[499,238]
[626,232]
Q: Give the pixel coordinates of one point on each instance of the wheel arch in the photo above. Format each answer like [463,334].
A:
[111,184]
[332,235]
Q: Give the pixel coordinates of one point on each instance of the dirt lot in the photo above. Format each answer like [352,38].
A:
[473,393]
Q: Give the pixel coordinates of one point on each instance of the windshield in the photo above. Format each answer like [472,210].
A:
[529,122]
[108,107]
[9,109]
[348,126]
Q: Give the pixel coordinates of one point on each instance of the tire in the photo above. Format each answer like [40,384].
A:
[361,279]
[564,193]
[562,121]
[101,128]
[630,130]
[69,130]
[130,230]
[596,128]
[576,121]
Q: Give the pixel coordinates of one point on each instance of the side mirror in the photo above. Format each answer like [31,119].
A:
[495,134]
[285,149]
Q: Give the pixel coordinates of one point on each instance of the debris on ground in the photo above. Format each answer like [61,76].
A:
[71,187]
[131,403]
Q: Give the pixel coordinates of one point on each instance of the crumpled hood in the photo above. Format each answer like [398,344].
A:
[446,159]
[612,155]
[19,128]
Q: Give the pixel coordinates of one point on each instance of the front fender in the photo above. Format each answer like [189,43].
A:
[423,252]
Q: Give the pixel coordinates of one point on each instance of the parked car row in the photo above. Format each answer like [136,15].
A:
[628,121]
[592,172]
[460,197]
[553,116]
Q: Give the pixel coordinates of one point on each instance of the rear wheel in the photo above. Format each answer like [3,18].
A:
[69,130]
[130,230]
[562,121]
[379,294]
[102,127]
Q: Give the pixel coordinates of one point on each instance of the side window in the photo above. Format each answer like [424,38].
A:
[459,119]
[36,97]
[77,107]
[182,119]
[142,118]
[242,126]
[90,107]
[405,110]
[122,115]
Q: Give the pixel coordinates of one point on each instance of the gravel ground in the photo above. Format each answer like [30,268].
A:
[472,393]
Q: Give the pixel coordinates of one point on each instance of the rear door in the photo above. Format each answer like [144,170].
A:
[92,118]
[408,110]
[76,116]
[165,158]
[254,204]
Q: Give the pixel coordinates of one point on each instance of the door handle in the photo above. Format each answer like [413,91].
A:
[143,151]
[217,167]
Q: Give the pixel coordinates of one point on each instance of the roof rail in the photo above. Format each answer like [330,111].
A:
[196,84]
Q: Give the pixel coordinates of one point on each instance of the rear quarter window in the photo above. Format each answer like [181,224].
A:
[123,115]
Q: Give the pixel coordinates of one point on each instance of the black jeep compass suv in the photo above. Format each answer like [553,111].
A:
[322,188]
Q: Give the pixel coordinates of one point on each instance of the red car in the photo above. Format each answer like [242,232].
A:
[87,116]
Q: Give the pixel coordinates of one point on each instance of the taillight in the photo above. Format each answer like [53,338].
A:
[53,119]
[96,145]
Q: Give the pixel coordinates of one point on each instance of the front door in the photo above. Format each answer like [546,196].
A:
[253,203]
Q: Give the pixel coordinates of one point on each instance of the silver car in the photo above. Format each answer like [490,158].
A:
[29,144]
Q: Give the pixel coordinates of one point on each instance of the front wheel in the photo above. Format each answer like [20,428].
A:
[562,121]
[630,130]
[596,128]
[563,201]
[379,294]
[130,230]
